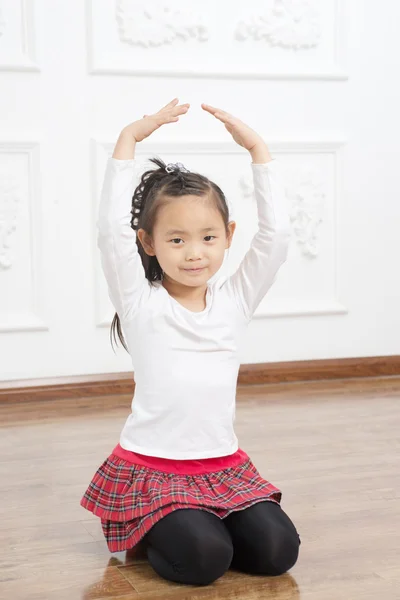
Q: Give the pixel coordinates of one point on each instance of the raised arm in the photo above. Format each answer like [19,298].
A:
[268,250]
[116,240]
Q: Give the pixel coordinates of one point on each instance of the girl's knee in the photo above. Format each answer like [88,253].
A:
[282,555]
[205,563]
[211,561]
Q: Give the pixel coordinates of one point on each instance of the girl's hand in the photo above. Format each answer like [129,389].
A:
[241,133]
[170,113]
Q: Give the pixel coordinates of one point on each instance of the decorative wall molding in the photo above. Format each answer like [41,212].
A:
[300,39]
[306,205]
[291,24]
[17,36]
[21,215]
[157,23]
[306,194]
[10,196]
[291,302]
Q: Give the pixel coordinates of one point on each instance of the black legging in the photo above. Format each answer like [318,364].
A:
[197,547]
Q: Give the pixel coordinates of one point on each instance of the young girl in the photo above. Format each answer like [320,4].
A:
[177,480]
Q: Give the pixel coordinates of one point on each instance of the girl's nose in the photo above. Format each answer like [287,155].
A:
[194,253]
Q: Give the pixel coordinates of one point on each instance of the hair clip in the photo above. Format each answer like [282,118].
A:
[171,167]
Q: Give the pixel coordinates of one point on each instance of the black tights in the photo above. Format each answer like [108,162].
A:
[197,547]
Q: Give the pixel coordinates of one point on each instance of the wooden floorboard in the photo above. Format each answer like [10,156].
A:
[331,447]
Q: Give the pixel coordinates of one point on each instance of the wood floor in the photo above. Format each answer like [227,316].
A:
[332,448]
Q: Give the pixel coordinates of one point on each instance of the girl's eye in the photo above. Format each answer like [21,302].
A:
[207,236]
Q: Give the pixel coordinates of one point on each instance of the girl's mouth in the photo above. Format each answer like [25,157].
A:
[194,270]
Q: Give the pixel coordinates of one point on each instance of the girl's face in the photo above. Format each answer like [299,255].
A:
[189,234]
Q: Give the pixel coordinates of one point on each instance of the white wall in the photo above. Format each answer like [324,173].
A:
[317,78]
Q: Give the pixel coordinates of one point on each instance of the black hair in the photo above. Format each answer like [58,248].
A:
[147,199]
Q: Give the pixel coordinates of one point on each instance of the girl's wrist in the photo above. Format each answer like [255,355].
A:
[125,146]
[260,153]
[129,132]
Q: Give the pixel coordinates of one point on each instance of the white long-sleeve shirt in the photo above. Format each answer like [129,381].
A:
[186,363]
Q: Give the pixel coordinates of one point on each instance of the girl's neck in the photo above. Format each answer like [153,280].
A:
[185,292]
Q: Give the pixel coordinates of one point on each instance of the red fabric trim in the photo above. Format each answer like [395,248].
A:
[188,467]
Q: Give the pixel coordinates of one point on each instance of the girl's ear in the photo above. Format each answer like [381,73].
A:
[231,231]
[146,241]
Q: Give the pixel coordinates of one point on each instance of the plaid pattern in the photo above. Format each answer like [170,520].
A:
[131,498]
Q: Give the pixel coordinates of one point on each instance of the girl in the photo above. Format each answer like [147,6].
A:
[177,481]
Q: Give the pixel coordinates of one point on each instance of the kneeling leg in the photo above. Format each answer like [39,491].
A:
[265,540]
[189,546]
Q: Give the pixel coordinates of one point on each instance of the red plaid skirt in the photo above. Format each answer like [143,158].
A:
[131,498]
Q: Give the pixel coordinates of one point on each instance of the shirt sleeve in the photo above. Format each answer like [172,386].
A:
[269,247]
[116,240]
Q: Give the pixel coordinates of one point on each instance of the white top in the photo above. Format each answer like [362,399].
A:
[186,363]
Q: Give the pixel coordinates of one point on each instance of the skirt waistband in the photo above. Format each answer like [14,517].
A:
[188,467]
